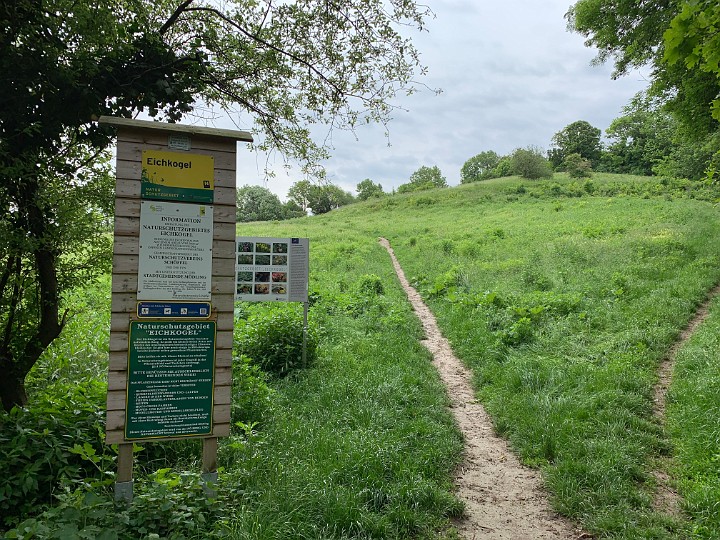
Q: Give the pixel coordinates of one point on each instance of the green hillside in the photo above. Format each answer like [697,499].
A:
[562,296]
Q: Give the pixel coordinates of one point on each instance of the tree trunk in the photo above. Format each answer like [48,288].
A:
[12,386]
[17,360]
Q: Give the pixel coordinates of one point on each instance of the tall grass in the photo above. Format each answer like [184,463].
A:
[361,445]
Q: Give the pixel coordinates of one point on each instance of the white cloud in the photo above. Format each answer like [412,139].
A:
[511,75]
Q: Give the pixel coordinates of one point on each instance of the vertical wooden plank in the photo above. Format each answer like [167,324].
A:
[125,463]
[209,458]
[124,480]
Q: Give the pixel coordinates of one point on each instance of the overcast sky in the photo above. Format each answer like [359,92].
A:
[511,76]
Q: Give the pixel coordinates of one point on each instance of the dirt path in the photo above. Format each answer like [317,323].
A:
[503,499]
[666,498]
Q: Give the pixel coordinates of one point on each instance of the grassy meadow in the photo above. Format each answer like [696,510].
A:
[561,296]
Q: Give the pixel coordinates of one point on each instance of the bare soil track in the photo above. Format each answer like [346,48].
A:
[503,499]
[666,498]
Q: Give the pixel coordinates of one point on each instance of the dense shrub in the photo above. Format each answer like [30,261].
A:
[371,285]
[479,167]
[423,179]
[530,163]
[577,166]
[167,505]
[503,168]
[56,442]
[250,393]
[273,338]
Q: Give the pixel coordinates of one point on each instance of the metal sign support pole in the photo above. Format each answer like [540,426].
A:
[306,306]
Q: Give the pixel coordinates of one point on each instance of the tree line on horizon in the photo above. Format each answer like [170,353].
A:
[646,140]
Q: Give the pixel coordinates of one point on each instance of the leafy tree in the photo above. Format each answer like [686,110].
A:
[577,138]
[693,40]
[428,175]
[293,210]
[326,197]
[368,189]
[299,193]
[256,203]
[424,178]
[54,236]
[320,198]
[479,167]
[692,160]
[641,138]
[660,34]
[648,140]
[530,163]
[503,168]
[286,64]
[626,30]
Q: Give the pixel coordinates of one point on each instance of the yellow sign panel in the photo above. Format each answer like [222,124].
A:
[176,176]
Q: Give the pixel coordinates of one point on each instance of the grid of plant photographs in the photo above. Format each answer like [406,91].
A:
[262,268]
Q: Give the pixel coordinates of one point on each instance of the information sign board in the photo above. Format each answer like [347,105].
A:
[177,176]
[176,310]
[272,269]
[175,257]
[170,379]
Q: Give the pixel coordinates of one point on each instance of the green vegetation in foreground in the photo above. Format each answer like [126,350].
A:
[694,424]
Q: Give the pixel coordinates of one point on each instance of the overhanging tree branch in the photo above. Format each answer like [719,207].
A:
[174,17]
[310,66]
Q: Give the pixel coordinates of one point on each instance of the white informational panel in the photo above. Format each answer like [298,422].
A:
[175,255]
[272,269]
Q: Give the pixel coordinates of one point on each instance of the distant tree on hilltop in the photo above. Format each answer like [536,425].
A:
[641,138]
[577,138]
[424,178]
[324,198]
[320,198]
[530,163]
[368,189]
[479,167]
[256,203]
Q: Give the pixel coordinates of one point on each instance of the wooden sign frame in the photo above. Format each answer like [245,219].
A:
[133,138]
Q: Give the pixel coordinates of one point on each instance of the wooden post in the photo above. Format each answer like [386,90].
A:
[209,466]
[124,479]
[193,142]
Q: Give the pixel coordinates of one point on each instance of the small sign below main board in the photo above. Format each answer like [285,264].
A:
[176,310]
